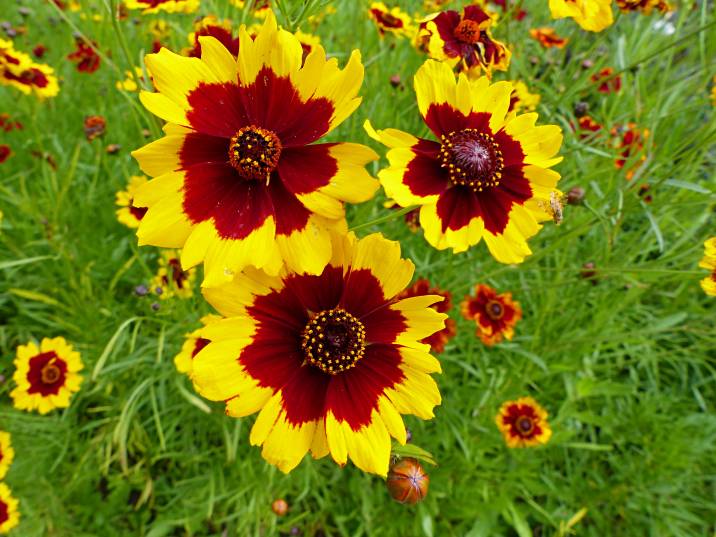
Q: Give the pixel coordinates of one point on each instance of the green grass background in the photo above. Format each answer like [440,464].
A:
[624,366]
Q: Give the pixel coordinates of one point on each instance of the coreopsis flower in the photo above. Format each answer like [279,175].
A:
[7,124]
[128,214]
[434,5]
[238,179]
[407,481]
[5,152]
[465,41]
[391,20]
[523,423]
[85,57]
[39,51]
[629,141]
[587,126]
[591,15]
[46,376]
[495,315]
[521,100]
[220,30]
[9,514]
[331,361]
[19,71]
[607,82]
[708,284]
[486,177]
[193,344]
[169,6]
[644,6]
[439,339]
[7,454]
[170,280]
[130,80]
[548,38]
[94,127]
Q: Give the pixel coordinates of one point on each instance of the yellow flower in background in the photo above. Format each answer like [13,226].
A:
[9,514]
[239,180]
[127,214]
[591,15]
[193,344]
[708,284]
[159,29]
[130,81]
[171,281]
[521,100]
[488,177]
[19,71]
[46,376]
[169,6]
[330,361]
[644,6]
[523,423]
[259,8]
[7,454]
[391,20]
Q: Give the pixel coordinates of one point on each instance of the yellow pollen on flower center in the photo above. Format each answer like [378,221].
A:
[254,153]
[472,158]
[495,310]
[524,425]
[50,374]
[468,31]
[333,341]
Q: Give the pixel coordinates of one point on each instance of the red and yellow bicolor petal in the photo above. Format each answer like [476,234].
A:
[255,360]
[8,509]
[523,423]
[7,453]
[46,376]
[128,214]
[394,21]
[708,262]
[171,280]
[168,6]
[591,15]
[193,344]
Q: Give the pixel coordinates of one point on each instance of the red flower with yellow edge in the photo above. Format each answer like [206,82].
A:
[19,71]
[708,284]
[5,152]
[7,454]
[644,6]
[488,176]
[330,361]
[169,6]
[393,21]
[238,179]
[171,280]
[629,141]
[465,41]
[46,376]
[607,83]
[495,315]
[521,100]
[128,214]
[193,344]
[523,423]
[439,339]
[591,15]
[9,514]
[130,81]
[588,126]
[220,30]
[85,57]
[548,38]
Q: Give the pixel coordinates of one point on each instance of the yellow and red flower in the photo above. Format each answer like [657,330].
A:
[331,361]
[7,454]
[521,100]
[644,6]
[488,176]
[85,57]
[607,82]
[629,141]
[19,71]
[548,38]
[220,30]
[238,179]
[46,376]
[171,281]
[439,339]
[708,284]
[587,126]
[394,21]
[523,423]
[9,514]
[130,81]
[7,124]
[169,6]
[193,344]
[495,315]
[128,214]
[465,41]
[591,15]
[259,8]
[94,127]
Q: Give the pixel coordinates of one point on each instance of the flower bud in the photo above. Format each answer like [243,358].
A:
[407,481]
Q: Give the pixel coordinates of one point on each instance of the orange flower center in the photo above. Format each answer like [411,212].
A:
[50,373]
[333,341]
[472,159]
[525,425]
[468,31]
[254,153]
[494,310]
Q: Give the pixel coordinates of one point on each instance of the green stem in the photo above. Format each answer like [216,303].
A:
[387,218]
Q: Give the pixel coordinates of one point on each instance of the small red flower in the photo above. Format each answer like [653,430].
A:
[85,57]
[548,38]
[629,140]
[607,83]
[523,423]
[440,338]
[94,127]
[5,152]
[39,51]
[7,124]
[495,315]
[407,481]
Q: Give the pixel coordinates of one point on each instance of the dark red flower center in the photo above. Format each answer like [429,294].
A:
[46,374]
[495,310]
[333,341]
[254,153]
[468,31]
[4,515]
[50,373]
[525,425]
[472,159]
